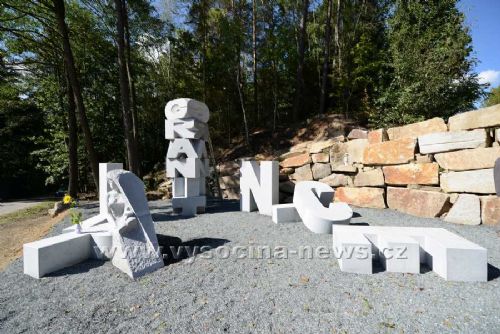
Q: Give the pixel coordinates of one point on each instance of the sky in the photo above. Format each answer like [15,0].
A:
[483,18]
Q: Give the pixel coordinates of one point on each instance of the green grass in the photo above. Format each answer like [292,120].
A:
[31,212]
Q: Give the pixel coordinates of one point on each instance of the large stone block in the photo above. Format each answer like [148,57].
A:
[355,150]
[475,181]
[357,134]
[481,118]
[296,161]
[390,152]
[490,210]
[320,157]
[320,171]
[427,173]
[452,141]
[363,197]
[319,146]
[417,129]
[419,203]
[478,158]
[337,180]
[466,210]
[377,136]
[303,173]
[338,153]
[369,178]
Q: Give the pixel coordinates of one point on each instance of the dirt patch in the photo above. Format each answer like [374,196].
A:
[18,231]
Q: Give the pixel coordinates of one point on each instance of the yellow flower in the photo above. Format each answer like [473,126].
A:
[67,199]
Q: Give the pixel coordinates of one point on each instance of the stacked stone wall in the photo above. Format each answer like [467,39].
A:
[428,169]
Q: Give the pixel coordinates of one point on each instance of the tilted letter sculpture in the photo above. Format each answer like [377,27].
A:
[187,161]
[123,233]
[136,250]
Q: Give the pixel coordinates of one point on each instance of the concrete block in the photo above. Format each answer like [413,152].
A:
[190,148]
[189,206]
[399,253]
[187,187]
[51,254]
[285,213]
[448,255]
[187,167]
[187,108]
[259,186]
[189,128]
[353,251]
[312,200]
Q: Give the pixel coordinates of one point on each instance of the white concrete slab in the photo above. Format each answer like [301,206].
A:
[449,255]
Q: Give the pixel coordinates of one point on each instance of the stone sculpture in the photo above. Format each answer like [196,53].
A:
[259,186]
[313,202]
[187,159]
[123,231]
[136,250]
[403,249]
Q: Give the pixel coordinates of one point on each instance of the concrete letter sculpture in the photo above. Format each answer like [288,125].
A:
[136,246]
[187,160]
[313,202]
[123,231]
[403,249]
[259,186]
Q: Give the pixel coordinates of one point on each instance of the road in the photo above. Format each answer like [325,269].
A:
[8,207]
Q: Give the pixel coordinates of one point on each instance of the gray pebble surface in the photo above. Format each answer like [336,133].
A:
[208,293]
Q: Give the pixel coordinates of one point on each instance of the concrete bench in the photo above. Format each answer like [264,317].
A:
[48,255]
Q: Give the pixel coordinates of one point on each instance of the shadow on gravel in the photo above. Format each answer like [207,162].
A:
[77,268]
[175,250]
[213,206]
[493,272]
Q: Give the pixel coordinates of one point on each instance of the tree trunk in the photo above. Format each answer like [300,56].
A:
[254,56]
[299,94]
[60,14]
[239,82]
[72,144]
[324,77]
[133,99]
[130,142]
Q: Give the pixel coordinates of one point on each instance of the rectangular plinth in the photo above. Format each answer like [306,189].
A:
[48,255]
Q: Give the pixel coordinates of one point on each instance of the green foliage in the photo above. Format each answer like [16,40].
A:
[391,62]
[493,97]
[431,63]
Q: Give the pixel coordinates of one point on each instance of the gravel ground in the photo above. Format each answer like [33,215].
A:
[208,293]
